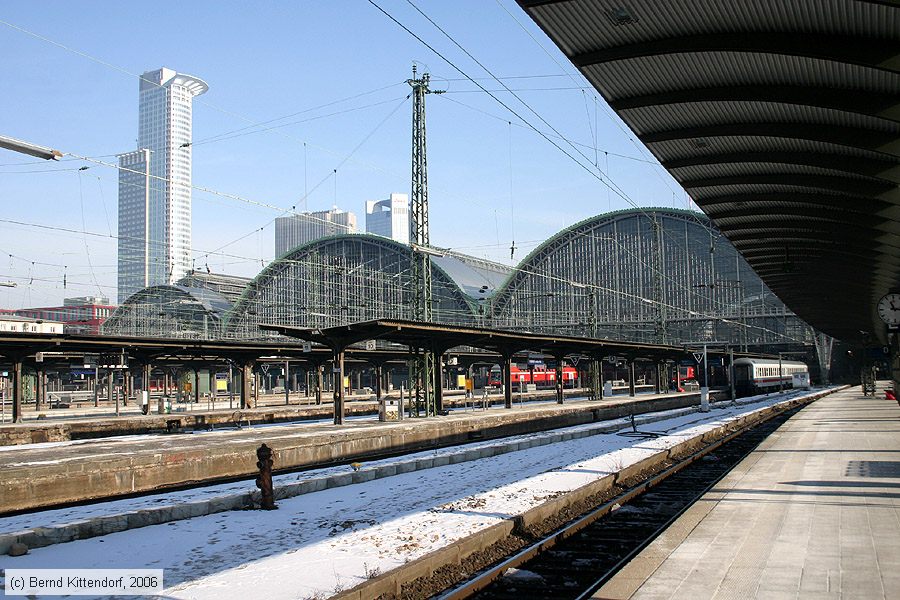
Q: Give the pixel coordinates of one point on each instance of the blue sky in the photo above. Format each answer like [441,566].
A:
[70,82]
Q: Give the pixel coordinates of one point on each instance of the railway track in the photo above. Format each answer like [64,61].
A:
[575,561]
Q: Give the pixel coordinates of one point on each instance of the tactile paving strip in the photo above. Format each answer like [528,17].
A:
[873,468]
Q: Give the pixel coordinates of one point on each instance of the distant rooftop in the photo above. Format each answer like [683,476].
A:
[229,287]
[477,277]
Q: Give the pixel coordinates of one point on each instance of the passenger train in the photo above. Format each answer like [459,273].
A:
[760,375]
[540,375]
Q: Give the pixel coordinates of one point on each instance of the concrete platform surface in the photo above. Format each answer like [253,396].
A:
[34,475]
[813,512]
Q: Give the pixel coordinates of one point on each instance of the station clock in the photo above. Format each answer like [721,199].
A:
[889,308]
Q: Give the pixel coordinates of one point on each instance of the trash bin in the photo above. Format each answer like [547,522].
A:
[388,410]
[607,389]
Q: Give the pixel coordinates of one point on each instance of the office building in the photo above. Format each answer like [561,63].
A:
[135,231]
[155,184]
[389,218]
[84,314]
[297,230]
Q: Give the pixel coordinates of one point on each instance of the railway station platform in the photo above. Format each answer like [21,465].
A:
[53,473]
[85,422]
[813,512]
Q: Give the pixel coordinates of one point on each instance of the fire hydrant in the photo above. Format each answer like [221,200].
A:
[264,481]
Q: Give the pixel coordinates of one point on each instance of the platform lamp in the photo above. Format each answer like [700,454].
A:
[780,375]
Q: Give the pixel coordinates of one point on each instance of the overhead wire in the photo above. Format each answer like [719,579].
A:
[87,249]
[202,101]
[224,137]
[602,177]
[301,112]
[606,180]
[443,97]
[628,134]
[608,184]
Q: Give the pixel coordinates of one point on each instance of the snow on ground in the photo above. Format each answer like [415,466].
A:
[56,517]
[317,544]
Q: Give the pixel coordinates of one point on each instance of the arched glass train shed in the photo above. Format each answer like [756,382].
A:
[354,277]
[175,311]
[645,275]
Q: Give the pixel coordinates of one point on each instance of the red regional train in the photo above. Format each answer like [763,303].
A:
[685,373]
[543,377]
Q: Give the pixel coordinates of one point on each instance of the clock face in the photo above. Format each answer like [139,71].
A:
[889,309]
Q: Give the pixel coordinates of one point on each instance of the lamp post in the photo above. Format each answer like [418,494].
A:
[780,378]
[29,148]
[704,391]
[780,374]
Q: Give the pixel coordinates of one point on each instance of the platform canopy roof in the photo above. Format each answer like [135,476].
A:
[780,118]
[440,337]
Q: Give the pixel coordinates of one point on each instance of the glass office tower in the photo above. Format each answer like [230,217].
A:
[155,222]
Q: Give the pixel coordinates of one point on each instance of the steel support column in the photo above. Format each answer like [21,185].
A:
[287,385]
[320,368]
[96,386]
[146,374]
[246,378]
[110,374]
[631,378]
[596,379]
[41,388]
[378,375]
[17,389]
[506,371]
[657,389]
[338,371]
[438,382]
[559,379]
[731,373]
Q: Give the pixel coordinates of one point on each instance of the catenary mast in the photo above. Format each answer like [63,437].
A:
[422,372]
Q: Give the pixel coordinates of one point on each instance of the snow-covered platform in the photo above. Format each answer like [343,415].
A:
[814,512]
[46,474]
[89,422]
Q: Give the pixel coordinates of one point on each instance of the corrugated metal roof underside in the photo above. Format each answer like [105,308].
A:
[782,121]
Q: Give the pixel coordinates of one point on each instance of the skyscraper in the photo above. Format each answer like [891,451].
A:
[389,218]
[300,229]
[155,184]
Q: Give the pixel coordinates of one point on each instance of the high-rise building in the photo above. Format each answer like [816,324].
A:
[389,218]
[135,231]
[300,229]
[155,184]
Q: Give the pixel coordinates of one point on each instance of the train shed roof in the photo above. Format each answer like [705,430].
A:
[780,119]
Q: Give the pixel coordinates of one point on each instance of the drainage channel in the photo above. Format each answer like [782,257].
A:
[573,565]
